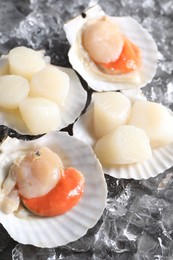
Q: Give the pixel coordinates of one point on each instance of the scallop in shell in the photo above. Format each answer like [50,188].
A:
[67,112]
[160,161]
[59,230]
[95,78]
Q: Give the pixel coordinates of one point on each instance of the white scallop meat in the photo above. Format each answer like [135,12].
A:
[69,111]
[160,161]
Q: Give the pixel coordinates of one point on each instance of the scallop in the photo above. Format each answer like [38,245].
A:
[122,146]
[40,115]
[27,228]
[37,173]
[159,161]
[58,85]
[51,83]
[155,120]
[9,86]
[80,56]
[25,62]
[111,109]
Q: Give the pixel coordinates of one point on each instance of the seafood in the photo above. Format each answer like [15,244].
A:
[28,228]
[141,117]
[110,52]
[37,97]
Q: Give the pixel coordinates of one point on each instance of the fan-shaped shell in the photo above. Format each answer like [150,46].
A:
[59,230]
[132,30]
[160,161]
[69,111]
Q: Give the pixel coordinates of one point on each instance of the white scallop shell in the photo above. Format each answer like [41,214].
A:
[71,109]
[59,230]
[130,28]
[160,161]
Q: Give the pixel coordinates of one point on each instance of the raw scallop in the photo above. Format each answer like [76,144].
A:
[40,115]
[55,231]
[111,110]
[13,90]
[51,83]
[160,160]
[98,80]
[155,120]
[73,97]
[25,62]
[125,145]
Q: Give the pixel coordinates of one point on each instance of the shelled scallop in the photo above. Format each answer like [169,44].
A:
[67,162]
[111,53]
[132,138]
[37,97]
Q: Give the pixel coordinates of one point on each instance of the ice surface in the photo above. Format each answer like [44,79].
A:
[29,252]
[137,223]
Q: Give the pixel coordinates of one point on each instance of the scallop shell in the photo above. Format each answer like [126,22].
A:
[72,108]
[130,28]
[59,230]
[160,161]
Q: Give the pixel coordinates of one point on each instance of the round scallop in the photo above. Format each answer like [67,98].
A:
[51,83]
[25,62]
[155,119]
[37,173]
[56,231]
[71,109]
[125,145]
[102,40]
[97,80]
[13,90]
[111,109]
[40,115]
[160,160]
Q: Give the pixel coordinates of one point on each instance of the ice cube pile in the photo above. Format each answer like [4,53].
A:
[137,222]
